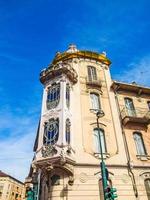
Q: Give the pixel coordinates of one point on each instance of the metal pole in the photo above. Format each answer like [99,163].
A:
[102,164]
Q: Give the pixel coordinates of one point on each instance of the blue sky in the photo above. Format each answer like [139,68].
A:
[31,32]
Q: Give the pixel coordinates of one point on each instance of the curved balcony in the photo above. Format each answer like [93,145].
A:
[137,115]
[93,83]
[57,70]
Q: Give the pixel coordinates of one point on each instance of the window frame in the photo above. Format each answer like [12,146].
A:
[97,132]
[68,95]
[68,132]
[147,187]
[50,137]
[93,97]
[141,150]
[131,111]
[53,96]
[92,73]
[148,104]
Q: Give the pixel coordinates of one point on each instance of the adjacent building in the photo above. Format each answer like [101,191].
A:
[67,158]
[10,188]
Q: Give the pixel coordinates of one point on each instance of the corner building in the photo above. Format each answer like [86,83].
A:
[67,157]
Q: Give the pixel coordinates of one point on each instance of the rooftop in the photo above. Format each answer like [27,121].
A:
[3,174]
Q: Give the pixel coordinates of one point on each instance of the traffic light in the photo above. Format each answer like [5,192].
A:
[113,191]
[110,193]
[107,194]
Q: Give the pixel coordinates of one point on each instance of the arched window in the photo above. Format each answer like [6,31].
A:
[53,96]
[139,143]
[92,76]
[51,132]
[99,136]
[68,131]
[95,101]
[68,95]
[147,187]
[130,107]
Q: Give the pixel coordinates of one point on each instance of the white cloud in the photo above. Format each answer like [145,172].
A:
[138,71]
[16,155]
[16,144]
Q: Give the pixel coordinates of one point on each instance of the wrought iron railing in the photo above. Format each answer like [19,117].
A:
[136,113]
[94,82]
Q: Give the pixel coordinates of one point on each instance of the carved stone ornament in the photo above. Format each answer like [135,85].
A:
[48,150]
[71,180]
[62,157]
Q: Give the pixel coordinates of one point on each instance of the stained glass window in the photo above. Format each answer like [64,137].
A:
[51,132]
[53,96]
[68,95]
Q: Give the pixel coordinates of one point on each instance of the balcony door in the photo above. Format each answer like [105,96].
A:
[92,76]
[130,107]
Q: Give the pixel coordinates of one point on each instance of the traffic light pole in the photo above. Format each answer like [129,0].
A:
[102,164]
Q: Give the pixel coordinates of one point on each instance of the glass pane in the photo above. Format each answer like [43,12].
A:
[68,131]
[130,107]
[139,144]
[147,187]
[51,132]
[95,101]
[99,135]
[148,103]
[53,96]
[68,95]
[92,73]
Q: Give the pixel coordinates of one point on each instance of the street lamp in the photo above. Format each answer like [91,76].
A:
[108,192]
[104,171]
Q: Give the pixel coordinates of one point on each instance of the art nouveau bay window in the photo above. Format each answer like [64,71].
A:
[99,135]
[53,96]
[51,132]
[139,143]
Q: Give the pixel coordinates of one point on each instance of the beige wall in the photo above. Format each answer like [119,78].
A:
[11,188]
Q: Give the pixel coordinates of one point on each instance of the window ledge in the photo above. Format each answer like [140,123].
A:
[105,155]
[143,157]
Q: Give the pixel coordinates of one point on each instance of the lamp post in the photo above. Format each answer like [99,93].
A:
[104,171]
[108,192]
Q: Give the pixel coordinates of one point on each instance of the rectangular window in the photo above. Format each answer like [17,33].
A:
[99,137]
[95,102]
[140,147]
[92,76]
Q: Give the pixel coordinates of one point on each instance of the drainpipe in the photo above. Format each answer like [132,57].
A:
[130,172]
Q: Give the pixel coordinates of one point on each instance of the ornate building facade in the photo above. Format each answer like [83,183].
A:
[67,157]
